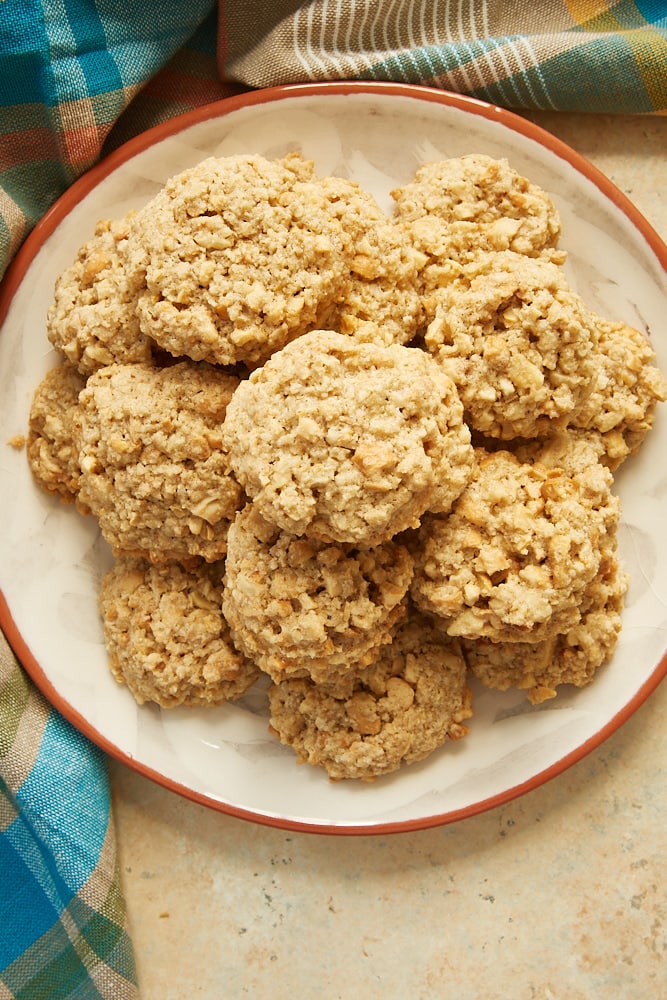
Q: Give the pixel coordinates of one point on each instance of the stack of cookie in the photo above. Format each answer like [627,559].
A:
[360,457]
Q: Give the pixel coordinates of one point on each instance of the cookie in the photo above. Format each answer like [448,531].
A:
[52,455]
[348,441]
[166,637]
[621,408]
[513,559]
[381,286]
[153,469]
[236,257]
[92,319]
[571,450]
[302,607]
[573,657]
[411,701]
[518,342]
[454,209]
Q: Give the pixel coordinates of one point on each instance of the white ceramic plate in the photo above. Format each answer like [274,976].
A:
[51,558]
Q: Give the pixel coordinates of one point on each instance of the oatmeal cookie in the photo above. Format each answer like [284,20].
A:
[411,701]
[153,469]
[238,255]
[571,450]
[621,408]
[348,441]
[513,559]
[93,320]
[381,286]
[454,209]
[573,657]
[297,606]
[52,455]
[166,637]
[518,342]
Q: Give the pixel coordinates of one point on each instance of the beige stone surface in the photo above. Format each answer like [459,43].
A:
[557,895]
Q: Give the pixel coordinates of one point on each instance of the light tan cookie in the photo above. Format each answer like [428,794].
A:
[237,258]
[153,469]
[166,636]
[381,286]
[52,455]
[621,408]
[518,342]
[411,701]
[456,208]
[571,658]
[92,320]
[571,450]
[348,441]
[515,556]
[302,607]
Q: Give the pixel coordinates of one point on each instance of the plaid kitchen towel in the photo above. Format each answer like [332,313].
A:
[71,71]
[573,55]
[62,913]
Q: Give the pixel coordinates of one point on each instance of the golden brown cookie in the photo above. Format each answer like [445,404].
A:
[573,657]
[166,636]
[621,408]
[454,209]
[236,257]
[154,471]
[515,556]
[298,606]
[348,441]
[92,320]
[411,701]
[381,286]
[52,453]
[518,342]
[571,450]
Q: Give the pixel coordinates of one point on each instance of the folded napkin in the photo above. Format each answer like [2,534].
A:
[62,911]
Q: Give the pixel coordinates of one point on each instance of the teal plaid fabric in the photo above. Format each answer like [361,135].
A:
[62,912]
[69,70]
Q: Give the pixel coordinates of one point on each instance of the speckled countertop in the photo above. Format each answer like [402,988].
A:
[559,894]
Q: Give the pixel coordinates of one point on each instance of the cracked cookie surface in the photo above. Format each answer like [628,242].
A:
[621,409]
[382,284]
[572,657]
[153,469]
[302,607]
[348,441]
[513,559]
[234,257]
[54,411]
[410,701]
[518,342]
[455,209]
[166,637]
[93,319]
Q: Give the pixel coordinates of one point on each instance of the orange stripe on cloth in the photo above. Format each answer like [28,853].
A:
[26,146]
